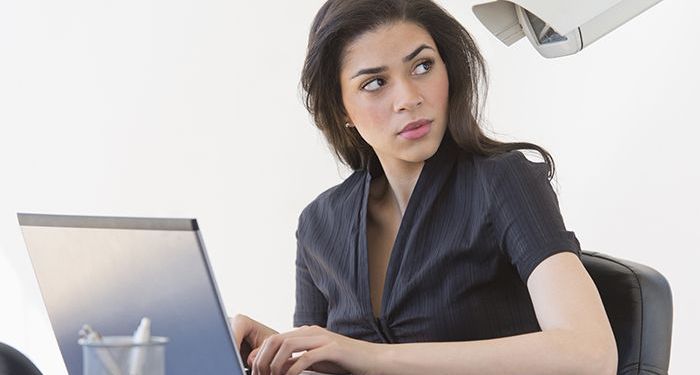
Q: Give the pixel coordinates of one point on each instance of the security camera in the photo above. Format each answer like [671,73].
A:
[557,27]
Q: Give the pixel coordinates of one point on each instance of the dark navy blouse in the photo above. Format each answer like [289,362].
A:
[474,229]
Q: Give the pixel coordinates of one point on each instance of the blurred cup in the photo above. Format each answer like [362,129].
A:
[116,355]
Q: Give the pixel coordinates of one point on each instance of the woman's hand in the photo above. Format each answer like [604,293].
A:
[249,335]
[323,351]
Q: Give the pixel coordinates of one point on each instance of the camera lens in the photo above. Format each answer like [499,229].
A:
[544,33]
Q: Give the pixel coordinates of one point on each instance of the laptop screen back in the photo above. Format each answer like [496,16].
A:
[111,272]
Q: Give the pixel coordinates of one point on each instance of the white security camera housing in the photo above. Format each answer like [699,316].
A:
[557,27]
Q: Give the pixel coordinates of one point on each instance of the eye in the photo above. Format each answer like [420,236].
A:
[374,84]
[423,67]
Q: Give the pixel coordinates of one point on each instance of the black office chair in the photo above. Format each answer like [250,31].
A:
[12,362]
[638,302]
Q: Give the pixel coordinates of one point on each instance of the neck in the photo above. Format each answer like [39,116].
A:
[399,180]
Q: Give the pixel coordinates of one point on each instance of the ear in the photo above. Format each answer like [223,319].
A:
[347,121]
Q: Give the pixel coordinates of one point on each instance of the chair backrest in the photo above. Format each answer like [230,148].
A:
[638,302]
[12,362]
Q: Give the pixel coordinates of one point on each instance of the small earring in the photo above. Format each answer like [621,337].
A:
[348,125]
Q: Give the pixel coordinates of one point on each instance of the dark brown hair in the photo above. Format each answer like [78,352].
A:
[339,22]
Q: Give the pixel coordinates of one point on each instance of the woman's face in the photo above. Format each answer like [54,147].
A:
[392,78]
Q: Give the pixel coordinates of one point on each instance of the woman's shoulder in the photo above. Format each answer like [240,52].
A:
[502,172]
[511,163]
[503,160]
[335,202]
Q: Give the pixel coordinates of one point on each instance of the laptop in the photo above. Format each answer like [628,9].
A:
[109,272]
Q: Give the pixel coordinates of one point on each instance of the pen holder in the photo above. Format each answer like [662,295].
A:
[119,355]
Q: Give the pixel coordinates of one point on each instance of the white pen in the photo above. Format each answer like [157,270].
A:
[142,335]
[91,336]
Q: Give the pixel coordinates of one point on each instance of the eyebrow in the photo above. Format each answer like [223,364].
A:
[380,69]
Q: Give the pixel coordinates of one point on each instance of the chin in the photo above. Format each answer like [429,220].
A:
[422,151]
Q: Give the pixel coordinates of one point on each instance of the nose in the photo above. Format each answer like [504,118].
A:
[408,96]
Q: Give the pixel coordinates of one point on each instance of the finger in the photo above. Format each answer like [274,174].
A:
[287,364]
[270,346]
[261,364]
[251,357]
[241,327]
[294,345]
[308,359]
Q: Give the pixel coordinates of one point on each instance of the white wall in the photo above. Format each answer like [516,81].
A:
[192,109]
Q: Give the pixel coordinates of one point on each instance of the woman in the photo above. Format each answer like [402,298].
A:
[445,251]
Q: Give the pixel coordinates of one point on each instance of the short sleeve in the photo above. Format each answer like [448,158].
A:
[311,306]
[525,215]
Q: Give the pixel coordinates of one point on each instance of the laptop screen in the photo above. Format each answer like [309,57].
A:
[110,272]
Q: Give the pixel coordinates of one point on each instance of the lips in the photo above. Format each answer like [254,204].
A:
[415,125]
[416,130]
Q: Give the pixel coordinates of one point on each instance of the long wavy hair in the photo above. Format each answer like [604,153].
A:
[339,22]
